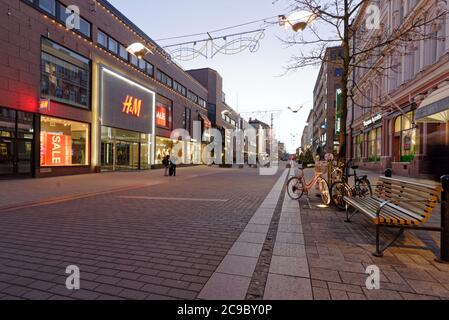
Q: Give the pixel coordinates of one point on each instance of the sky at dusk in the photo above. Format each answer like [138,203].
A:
[251,81]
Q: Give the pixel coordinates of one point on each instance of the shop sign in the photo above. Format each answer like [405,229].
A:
[44,105]
[131,106]
[161,116]
[56,149]
[372,120]
[126,104]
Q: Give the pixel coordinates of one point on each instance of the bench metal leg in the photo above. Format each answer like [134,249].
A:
[379,251]
[347,214]
[350,215]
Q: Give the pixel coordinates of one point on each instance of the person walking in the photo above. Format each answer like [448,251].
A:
[166,163]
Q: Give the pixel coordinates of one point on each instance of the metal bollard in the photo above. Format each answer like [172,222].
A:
[388,173]
[444,246]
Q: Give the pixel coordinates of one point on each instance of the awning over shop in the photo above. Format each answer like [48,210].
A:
[207,123]
[435,107]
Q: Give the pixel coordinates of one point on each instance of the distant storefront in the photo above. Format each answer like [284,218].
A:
[127,123]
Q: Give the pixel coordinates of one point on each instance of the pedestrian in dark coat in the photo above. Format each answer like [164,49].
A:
[166,163]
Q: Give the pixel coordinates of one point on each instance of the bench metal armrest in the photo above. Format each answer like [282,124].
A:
[383,204]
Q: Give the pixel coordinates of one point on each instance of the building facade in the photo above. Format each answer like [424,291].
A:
[73,100]
[398,117]
[307,133]
[328,83]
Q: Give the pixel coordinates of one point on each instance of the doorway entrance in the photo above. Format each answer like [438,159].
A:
[123,150]
[16,143]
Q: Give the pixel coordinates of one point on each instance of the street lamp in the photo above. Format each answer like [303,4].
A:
[138,49]
[297,110]
[298,20]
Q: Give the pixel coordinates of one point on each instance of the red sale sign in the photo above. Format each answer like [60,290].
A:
[56,149]
[161,116]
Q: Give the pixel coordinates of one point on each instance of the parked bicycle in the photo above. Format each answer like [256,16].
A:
[298,186]
[339,189]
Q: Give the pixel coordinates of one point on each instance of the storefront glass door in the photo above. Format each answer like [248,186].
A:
[6,157]
[127,155]
[16,143]
[123,150]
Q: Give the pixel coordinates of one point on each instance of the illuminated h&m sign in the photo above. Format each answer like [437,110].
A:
[126,104]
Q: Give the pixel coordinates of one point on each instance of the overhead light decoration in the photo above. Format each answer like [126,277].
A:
[139,50]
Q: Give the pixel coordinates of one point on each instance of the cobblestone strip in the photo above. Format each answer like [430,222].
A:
[289,277]
[259,279]
[232,278]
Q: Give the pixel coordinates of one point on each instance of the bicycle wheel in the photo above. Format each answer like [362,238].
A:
[324,191]
[295,188]
[338,190]
[363,187]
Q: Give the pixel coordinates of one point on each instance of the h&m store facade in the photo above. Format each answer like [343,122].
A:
[76,102]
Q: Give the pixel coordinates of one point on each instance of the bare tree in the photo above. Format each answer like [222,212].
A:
[367,42]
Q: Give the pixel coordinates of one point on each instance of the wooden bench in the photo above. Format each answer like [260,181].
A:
[396,204]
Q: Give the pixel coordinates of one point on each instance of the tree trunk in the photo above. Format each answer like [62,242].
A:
[344,85]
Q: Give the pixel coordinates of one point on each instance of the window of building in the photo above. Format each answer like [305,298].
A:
[407,135]
[142,65]
[102,39]
[180,88]
[358,144]
[163,78]
[48,6]
[188,119]
[123,53]
[150,69]
[202,103]
[63,143]
[133,59]
[65,75]
[63,15]
[338,72]
[112,45]
[374,144]
[192,96]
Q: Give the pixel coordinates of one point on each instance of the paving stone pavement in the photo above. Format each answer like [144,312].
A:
[233,276]
[136,243]
[338,254]
[133,244]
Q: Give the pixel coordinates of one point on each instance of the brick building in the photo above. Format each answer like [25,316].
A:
[76,101]
[400,116]
[327,85]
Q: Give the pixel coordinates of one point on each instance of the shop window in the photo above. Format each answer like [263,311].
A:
[408,136]
[65,75]
[164,147]
[63,143]
[374,144]
[358,144]
[164,114]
